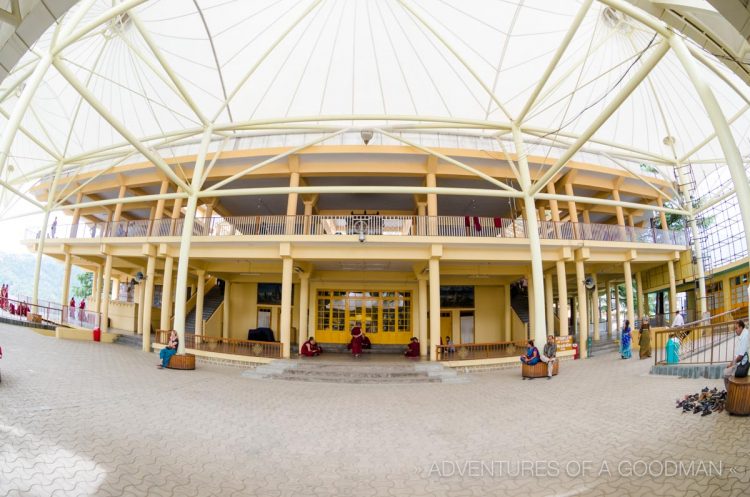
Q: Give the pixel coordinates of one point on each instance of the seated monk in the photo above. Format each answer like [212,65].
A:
[412,350]
[356,342]
[310,348]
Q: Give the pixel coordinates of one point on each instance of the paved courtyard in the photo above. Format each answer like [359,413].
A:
[81,418]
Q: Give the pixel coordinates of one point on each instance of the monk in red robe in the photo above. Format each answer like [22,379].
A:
[72,308]
[310,348]
[356,343]
[412,350]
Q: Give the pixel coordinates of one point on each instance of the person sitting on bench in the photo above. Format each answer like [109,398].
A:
[549,355]
[412,350]
[171,349]
[310,348]
[532,354]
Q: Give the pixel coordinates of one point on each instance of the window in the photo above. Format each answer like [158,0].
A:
[377,311]
[270,294]
[456,296]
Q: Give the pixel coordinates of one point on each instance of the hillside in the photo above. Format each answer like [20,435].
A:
[18,271]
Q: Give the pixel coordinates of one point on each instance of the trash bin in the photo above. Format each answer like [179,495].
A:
[97,334]
[575,351]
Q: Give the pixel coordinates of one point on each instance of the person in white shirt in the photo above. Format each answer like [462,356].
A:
[678,320]
[741,342]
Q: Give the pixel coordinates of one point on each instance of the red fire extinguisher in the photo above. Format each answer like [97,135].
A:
[97,334]
[575,350]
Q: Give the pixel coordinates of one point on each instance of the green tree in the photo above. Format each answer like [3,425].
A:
[84,287]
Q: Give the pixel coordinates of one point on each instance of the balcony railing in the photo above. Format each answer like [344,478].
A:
[49,313]
[365,225]
[471,351]
[250,348]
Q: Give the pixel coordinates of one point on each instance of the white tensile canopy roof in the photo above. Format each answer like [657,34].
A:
[147,82]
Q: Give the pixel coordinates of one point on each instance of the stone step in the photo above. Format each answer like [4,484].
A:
[135,341]
[355,373]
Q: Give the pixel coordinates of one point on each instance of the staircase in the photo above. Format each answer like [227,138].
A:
[135,341]
[211,302]
[315,370]
[519,301]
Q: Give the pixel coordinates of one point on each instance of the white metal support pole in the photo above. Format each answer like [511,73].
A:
[548,298]
[532,232]
[186,239]
[148,300]
[43,237]
[632,83]
[19,109]
[723,131]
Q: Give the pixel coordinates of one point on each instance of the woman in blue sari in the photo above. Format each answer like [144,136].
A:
[532,354]
[625,341]
[673,349]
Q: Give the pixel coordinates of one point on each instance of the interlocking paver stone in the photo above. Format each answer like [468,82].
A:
[84,418]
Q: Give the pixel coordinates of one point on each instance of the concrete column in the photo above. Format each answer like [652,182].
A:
[548,300]
[533,324]
[583,333]
[148,303]
[562,297]
[725,292]
[308,216]
[76,216]
[139,289]
[594,308]
[225,323]
[420,227]
[286,306]
[159,211]
[642,304]
[96,288]
[572,209]
[432,206]
[199,302]
[629,309]
[662,214]
[609,308]
[291,201]
[304,305]
[65,297]
[434,307]
[617,309]
[508,335]
[106,293]
[422,281]
[618,209]
[166,295]
[672,290]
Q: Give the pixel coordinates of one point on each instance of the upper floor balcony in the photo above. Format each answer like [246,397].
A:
[362,226]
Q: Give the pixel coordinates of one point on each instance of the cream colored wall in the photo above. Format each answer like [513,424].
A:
[243,309]
[123,315]
[213,327]
[489,314]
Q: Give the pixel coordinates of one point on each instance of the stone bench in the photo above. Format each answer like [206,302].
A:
[185,362]
[738,396]
[538,370]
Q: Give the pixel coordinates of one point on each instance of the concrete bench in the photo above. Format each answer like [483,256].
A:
[538,370]
[186,362]
[738,396]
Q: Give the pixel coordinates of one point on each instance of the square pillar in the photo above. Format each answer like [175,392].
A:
[199,302]
[148,302]
[434,307]
[304,305]
[166,295]
[422,281]
[285,325]
[562,297]
[225,320]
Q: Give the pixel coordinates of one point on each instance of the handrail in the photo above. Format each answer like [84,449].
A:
[698,344]
[488,350]
[50,313]
[234,346]
[367,225]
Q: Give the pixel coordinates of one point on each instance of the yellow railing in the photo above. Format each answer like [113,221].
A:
[233,346]
[470,351]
